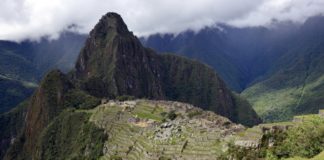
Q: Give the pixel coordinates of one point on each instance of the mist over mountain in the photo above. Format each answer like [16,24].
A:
[239,55]
[22,65]
[34,19]
[265,63]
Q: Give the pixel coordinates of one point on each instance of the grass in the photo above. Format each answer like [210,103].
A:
[309,117]
[146,111]
[281,104]
[254,133]
[271,105]
[287,123]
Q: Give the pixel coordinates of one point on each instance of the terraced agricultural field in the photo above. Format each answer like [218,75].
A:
[145,129]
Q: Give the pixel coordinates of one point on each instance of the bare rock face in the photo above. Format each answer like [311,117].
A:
[114,63]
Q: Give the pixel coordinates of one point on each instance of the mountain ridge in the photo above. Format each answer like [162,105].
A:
[269,66]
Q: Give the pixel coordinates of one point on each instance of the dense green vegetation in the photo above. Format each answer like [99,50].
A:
[295,83]
[71,136]
[297,88]
[79,99]
[304,138]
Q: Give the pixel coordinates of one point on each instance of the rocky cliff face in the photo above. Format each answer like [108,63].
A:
[114,63]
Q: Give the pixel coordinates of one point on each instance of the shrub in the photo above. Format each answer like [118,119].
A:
[71,136]
[79,99]
[172,115]
[304,140]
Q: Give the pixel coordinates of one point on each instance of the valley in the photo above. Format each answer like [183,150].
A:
[278,69]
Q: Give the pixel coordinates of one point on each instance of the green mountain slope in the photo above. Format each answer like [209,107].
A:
[207,46]
[295,83]
[279,68]
[74,137]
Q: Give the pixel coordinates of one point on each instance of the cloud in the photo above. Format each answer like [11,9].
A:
[32,19]
[280,10]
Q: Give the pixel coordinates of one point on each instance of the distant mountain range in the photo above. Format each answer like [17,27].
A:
[27,62]
[277,68]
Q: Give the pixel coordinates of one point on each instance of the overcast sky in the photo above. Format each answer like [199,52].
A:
[31,19]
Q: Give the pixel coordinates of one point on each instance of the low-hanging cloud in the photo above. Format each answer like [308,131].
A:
[32,19]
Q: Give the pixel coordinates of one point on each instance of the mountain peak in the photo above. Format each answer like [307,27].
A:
[108,24]
[114,63]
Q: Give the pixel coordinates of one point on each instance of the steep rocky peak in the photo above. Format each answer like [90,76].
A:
[109,24]
[113,63]
[108,41]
